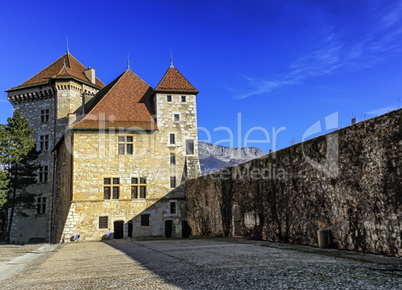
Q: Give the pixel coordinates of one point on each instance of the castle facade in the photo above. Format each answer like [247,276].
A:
[112,157]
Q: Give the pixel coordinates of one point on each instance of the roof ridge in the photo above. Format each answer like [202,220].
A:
[69,61]
[139,77]
[128,99]
[74,58]
[163,77]
[113,84]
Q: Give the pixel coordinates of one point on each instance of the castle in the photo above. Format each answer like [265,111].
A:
[112,157]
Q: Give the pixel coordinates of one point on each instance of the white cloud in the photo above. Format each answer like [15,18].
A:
[392,16]
[332,54]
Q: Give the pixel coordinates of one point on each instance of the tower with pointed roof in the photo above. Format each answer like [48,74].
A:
[46,99]
[175,99]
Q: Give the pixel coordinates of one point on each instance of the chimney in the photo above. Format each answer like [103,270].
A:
[354,121]
[86,97]
[71,118]
[90,74]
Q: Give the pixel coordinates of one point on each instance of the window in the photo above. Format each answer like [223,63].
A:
[126,145]
[172,158]
[176,117]
[145,220]
[173,207]
[44,115]
[111,188]
[172,181]
[183,99]
[169,98]
[43,173]
[189,146]
[172,138]
[44,142]
[103,222]
[138,187]
[41,205]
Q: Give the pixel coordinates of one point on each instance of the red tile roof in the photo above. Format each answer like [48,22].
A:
[174,81]
[66,66]
[127,103]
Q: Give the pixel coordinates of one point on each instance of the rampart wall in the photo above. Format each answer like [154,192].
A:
[348,182]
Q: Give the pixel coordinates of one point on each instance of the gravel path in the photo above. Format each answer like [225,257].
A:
[204,264]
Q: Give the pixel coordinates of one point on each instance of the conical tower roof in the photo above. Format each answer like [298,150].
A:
[173,81]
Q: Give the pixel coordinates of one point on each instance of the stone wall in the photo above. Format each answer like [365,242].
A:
[55,101]
[348,181]
[184,129]
[89,156]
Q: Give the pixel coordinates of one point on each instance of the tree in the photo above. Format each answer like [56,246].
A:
[18,155]
[3,184]
[3,200]
[3,187]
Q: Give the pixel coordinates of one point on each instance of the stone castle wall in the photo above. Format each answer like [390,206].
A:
[95,157]
[55,101]
[286,196]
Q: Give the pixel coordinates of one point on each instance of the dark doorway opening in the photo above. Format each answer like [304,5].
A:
[118,229]
[130,229]
[236,221]
[168,228]
[185,229]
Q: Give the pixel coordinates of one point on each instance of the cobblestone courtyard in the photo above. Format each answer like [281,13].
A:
[200,264]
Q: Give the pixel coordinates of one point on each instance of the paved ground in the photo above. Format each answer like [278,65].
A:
[203,264]
[9,252]
[14,258]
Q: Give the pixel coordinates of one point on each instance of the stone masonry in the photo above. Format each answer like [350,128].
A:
[348,182]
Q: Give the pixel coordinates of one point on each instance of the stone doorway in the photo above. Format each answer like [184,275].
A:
[236,221]
[118,227]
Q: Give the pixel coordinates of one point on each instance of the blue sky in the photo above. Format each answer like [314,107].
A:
[260,66]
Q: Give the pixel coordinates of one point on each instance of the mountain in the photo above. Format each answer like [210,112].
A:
[214,157]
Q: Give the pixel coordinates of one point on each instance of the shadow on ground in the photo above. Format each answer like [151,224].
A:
[234,263]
